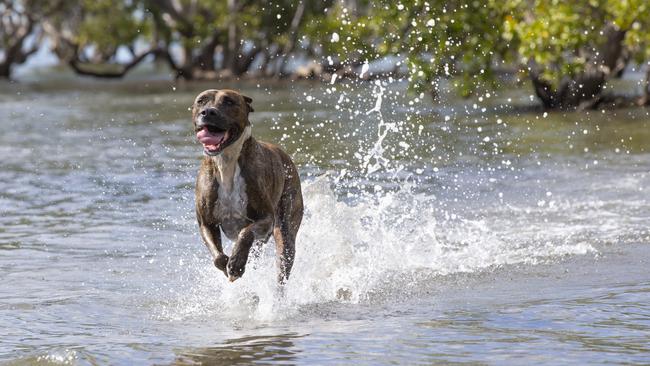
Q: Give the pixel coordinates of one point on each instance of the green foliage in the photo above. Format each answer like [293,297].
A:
[451,38]
[562,36]
[436,39]
[108,24]
[467,41]
[634,16]
[344,35]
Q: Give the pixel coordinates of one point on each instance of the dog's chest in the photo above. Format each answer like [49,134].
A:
[232,202]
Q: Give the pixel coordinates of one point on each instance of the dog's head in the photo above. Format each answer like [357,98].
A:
[220,118]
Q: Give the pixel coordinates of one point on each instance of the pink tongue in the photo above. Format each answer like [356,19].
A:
[208,138]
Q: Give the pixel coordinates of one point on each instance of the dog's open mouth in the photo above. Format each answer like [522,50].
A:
[214,139]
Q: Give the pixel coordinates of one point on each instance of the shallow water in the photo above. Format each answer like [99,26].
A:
[459,233]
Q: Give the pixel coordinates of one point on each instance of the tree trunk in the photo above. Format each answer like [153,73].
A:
[23,21]
[245,61]
[231,51]
[646,90]
[293,38]
[205,59]
[14,53]
[645,99]
[5,70]
[185,69]
[584,90]
[612,54]
[266,58]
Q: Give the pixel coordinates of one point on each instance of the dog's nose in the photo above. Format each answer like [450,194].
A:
[209,112]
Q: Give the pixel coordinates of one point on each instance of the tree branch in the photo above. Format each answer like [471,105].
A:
[81,69]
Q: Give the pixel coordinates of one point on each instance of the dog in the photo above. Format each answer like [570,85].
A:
[247,188]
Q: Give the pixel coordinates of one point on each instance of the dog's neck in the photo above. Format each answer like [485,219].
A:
[226,162]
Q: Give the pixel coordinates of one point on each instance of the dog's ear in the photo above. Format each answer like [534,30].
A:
[248,101]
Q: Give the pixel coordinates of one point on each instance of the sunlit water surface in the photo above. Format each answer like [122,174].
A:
[462,232]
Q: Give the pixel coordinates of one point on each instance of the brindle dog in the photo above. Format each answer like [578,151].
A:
[247,188]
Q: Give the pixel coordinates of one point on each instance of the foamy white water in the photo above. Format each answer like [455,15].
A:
[379,248]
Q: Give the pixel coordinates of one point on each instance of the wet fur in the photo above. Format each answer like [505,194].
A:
[251,190]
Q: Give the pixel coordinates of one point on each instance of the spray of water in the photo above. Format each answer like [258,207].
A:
[374,159]
[377,246]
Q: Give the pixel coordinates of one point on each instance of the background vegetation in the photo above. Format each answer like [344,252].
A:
[568,49]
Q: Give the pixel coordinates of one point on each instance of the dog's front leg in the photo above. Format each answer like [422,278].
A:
[212,239]
[237,263]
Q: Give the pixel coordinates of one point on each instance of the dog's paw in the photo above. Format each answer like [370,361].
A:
[236,266]
[221,262]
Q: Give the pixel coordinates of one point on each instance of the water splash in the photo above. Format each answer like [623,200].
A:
[358,245]
[374,160]
[378,249]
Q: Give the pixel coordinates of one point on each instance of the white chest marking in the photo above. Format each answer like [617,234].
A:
[232,198]
[230,209]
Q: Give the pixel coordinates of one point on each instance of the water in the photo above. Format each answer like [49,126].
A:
[458,233]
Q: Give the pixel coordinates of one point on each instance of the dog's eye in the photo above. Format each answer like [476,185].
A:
[204,99]
[228,101]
